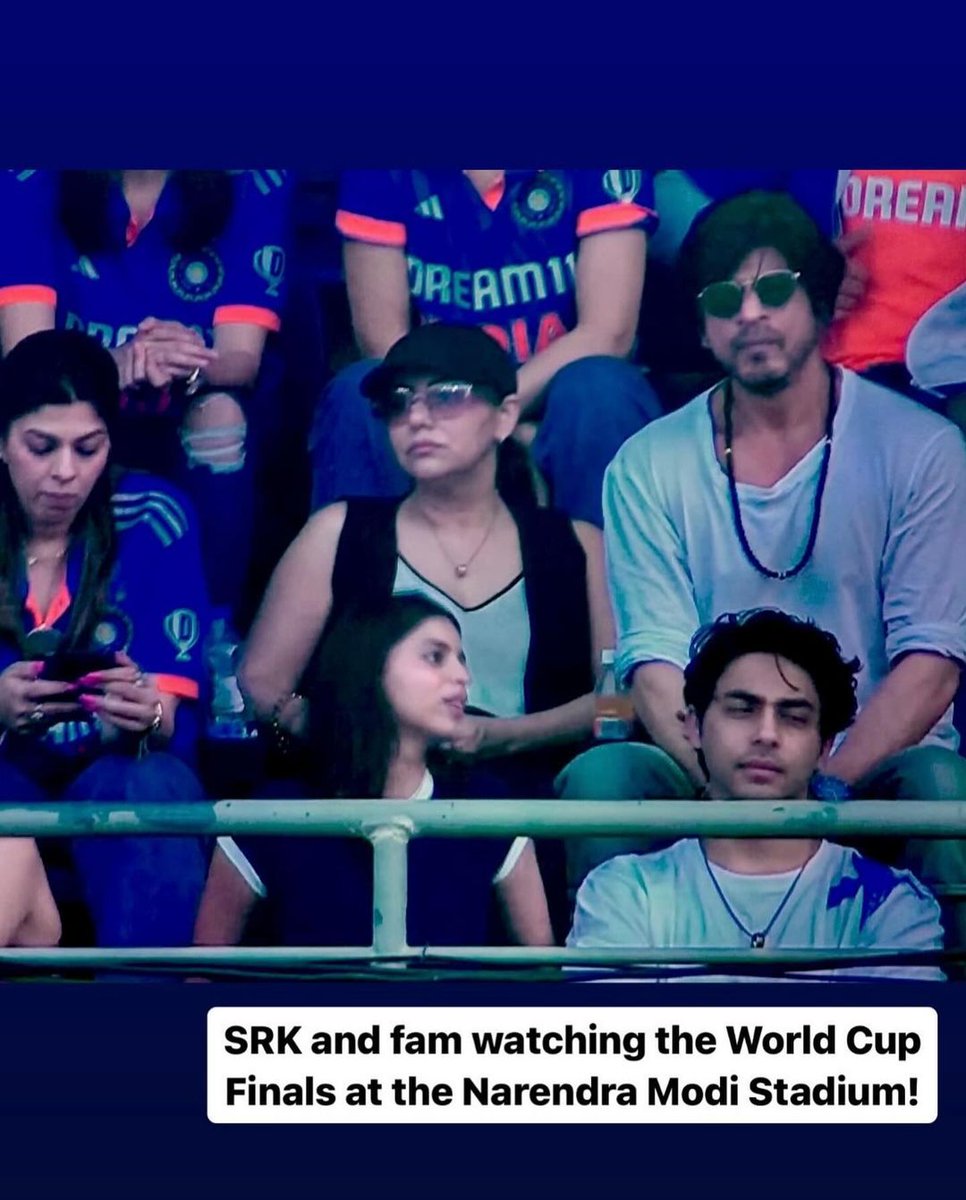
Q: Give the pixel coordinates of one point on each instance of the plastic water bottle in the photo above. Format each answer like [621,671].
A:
[230,716]
[614,707]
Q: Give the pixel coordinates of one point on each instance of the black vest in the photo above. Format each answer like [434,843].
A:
[554,572]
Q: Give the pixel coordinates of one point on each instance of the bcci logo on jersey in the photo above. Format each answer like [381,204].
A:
[622,186]
[540,203]
[269,264]
[196,276]
[113,631]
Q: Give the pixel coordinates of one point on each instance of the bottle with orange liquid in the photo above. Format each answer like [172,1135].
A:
[614,707]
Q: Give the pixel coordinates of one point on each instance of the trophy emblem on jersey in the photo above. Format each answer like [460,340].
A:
[181,628]
[622,186]
[269,264]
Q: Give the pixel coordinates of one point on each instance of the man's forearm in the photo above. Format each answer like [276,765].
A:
[658,692]
[902,710]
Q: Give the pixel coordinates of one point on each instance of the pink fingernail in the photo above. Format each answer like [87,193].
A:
[93,678]
[88,702]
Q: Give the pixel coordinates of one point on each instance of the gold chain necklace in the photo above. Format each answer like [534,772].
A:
[461,569]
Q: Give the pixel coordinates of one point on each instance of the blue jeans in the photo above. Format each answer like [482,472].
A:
[140,891]
[591,408]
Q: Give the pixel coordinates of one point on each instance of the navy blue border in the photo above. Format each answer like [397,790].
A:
[103,1095]
[101,1086]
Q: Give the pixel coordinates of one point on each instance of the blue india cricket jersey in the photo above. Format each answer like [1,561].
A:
[156,609]
[239,278]
[505,260]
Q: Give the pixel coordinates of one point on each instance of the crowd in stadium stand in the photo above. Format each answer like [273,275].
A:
[358,486]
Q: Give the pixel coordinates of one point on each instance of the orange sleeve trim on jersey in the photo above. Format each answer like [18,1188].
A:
[370,229]
[177,685]
[610,216]
[28,293]
[247,314]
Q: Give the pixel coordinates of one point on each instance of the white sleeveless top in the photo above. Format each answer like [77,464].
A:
[496,639]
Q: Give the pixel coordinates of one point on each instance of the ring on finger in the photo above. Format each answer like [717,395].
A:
[36,715]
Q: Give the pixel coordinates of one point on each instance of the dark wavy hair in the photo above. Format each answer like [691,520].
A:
[770,631]
[726,232]
[58,366]
[353,733]
[206,201]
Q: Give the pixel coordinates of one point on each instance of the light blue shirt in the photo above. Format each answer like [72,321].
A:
[842,901]
[888,573]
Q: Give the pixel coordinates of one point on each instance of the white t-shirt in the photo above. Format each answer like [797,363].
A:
[888,573]
[842,900]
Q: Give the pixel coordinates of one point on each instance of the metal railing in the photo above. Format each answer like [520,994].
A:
[390,825]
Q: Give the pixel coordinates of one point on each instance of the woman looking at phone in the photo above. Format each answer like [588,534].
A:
[96,571]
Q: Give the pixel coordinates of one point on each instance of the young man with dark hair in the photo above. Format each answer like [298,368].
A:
[797,486]
[766,696]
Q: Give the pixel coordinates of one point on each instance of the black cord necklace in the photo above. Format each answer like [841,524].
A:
[756,937]
[728,406]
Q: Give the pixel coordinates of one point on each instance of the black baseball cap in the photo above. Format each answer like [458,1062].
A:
[457,352]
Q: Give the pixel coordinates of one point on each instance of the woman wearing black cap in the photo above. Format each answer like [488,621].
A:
[533,617]
[102,611]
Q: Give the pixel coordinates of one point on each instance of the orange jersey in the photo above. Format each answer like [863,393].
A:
[915,254]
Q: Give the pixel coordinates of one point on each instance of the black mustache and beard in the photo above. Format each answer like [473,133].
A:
[774,384]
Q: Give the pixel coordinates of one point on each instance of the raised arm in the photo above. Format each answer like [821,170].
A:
[291,618]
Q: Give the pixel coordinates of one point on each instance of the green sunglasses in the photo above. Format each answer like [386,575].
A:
[724,300]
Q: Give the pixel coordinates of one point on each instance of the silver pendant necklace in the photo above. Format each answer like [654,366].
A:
[756,938]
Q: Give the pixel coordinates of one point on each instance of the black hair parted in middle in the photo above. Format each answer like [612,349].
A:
[353,731]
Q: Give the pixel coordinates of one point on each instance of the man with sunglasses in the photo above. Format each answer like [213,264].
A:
[796,486]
